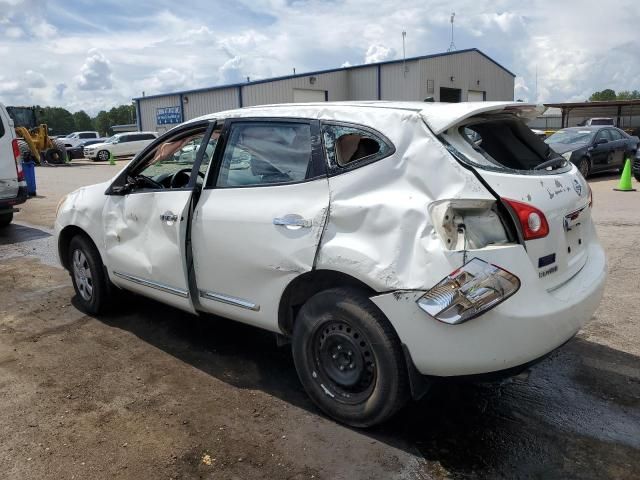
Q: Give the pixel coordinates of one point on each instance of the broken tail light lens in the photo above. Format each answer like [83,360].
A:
[469,291]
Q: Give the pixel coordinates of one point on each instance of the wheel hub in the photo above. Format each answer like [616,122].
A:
[344,360]
[82,275]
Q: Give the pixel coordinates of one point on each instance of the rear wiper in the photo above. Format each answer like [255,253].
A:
[558,162]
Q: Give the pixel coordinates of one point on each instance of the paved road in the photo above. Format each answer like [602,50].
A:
[150,391]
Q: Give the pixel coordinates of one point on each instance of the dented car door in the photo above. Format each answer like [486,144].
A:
[258,222]
[146,219]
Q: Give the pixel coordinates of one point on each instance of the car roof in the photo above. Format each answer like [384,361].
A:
[438,115]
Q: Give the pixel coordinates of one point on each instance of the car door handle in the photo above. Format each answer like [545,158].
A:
[292,221]
[169,217]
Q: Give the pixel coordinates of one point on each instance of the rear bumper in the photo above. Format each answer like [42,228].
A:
[7,204]
[527,326]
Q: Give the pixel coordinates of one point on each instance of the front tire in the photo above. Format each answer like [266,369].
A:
[87,273]
[585,167]
[5,219]
[103,155]
[349,358]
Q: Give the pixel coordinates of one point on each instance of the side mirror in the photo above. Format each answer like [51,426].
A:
[602,141]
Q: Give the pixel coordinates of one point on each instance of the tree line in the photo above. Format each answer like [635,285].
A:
[61,121]
[607,94]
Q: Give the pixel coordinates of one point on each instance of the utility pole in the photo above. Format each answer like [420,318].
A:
[404,55]
[452,46]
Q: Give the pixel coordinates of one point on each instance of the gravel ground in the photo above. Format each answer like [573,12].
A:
[151,392]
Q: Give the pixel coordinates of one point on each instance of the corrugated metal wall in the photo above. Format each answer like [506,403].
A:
[148,108]
[363,83]
[281,91]
[203,103]
[470,71]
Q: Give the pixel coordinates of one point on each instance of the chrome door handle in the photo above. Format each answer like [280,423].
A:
[292,221]
[169,217]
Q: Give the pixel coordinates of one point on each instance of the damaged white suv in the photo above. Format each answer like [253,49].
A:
[392,242]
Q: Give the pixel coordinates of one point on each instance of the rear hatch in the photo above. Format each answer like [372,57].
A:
[510,159]
[8,174]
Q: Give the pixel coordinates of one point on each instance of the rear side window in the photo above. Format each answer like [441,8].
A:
[145,136]
[1,127]
[505,143]
[347,146]
[261,153]
[87,135]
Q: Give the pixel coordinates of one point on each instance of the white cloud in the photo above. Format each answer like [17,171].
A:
[378,53]
[95,73]
[34,79]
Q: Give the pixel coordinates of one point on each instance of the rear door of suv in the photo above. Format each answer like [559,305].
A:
[259,219]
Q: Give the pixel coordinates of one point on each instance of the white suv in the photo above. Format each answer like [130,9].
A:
[120,145]
[13,188]
[391,242]
[76,138]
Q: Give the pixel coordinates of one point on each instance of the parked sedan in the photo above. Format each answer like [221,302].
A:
[353,231]
[594,149]
[78,150]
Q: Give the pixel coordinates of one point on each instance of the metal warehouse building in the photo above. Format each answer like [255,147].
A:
[464,75]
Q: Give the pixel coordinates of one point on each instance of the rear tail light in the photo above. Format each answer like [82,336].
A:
[469,291]
[17,157]
[533,222]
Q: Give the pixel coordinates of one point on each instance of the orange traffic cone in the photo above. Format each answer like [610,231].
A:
[625,180]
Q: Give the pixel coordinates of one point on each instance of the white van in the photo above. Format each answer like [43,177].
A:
[13,188]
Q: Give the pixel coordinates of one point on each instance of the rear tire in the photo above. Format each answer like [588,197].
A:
[349,358]
[585,167]
[5,219]
[87,273]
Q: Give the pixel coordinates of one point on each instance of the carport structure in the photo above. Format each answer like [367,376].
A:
[625,112]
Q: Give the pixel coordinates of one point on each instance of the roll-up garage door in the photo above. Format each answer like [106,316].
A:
[305,95]
[475,96]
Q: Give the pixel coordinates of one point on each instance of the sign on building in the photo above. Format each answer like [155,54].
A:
[168,115]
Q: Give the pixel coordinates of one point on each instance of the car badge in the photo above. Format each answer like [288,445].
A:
[577,187]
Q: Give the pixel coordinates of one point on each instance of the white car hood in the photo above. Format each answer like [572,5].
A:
[442,116]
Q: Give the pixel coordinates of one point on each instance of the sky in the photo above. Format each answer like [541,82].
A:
[87,55]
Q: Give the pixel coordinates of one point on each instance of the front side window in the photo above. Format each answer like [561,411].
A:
[265,153]
[603,134]
[615,134]
[346,145]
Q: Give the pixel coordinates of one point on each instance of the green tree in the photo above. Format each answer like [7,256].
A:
[82,121]
[606,94]
[628,95]
[59,120]
[103,124]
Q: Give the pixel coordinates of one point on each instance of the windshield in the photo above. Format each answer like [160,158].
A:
[111,139]
[570,137]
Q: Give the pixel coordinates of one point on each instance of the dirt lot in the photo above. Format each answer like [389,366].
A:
[150,392]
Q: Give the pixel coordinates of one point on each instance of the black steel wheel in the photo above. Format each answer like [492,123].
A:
[349,358]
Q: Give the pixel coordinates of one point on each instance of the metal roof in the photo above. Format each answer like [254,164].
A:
[608,103]
[318,72]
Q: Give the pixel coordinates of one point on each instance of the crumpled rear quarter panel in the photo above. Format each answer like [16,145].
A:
[379,228]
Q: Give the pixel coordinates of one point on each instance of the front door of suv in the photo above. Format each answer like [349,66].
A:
[146,217]
[258,222]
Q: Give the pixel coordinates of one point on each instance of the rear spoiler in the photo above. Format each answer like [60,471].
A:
[442,116]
